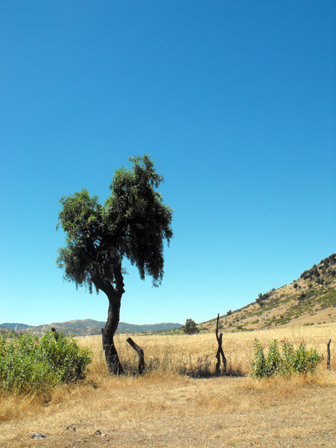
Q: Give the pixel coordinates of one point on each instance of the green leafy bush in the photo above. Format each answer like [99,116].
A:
[290,361]
[28,363]
[259,365]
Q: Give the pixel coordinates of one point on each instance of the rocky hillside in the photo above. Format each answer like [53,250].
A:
[309,300]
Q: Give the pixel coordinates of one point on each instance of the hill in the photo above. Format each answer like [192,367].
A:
[15,327]
[89,327]
[309,300]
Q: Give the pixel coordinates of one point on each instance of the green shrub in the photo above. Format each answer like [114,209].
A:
[259,365]
[291,361]
[273,361]
[28,363]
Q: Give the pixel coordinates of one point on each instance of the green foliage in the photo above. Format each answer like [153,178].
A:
[259,365]
[290,361]
[190,327]
[261,299]
[273,361]
[28,363]
[132,223]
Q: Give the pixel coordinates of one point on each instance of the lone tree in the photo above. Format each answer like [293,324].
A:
[190,327]
[132,223]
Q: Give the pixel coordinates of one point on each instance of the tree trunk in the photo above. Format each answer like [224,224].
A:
[114,294]
[108,332]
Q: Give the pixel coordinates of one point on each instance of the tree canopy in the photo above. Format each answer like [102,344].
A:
[132,223]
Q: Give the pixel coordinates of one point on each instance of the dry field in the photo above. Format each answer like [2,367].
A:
[179,403]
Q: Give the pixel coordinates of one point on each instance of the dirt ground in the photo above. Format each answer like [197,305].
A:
[184,412]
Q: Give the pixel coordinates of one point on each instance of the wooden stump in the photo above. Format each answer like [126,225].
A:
[328,359]
[220,352]
[140,355]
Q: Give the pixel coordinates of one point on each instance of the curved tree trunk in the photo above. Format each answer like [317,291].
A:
[114,293]
[108,332]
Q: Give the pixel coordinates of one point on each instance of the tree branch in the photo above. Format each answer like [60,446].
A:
[103,285]
[119,279]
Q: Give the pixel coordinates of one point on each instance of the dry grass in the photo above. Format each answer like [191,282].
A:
[167,408]
[195,355]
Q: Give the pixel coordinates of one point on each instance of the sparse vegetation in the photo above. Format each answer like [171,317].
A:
[294,304]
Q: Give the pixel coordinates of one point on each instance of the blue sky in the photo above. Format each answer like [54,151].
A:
[234,100]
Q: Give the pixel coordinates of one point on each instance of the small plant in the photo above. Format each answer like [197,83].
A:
[291,361]
[295,285]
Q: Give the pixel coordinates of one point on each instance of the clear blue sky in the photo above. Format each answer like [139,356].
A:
[236,103]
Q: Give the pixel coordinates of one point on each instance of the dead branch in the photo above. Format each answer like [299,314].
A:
[140,355]
[328,349]
[220,352]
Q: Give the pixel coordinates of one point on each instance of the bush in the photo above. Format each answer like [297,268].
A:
[301,297]
[28,363]
[291,361]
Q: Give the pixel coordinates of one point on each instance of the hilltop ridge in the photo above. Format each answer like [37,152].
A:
[309,300]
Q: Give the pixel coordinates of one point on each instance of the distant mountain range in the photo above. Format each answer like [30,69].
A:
[89,327]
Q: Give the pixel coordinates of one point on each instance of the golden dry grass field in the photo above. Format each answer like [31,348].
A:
[179,403]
